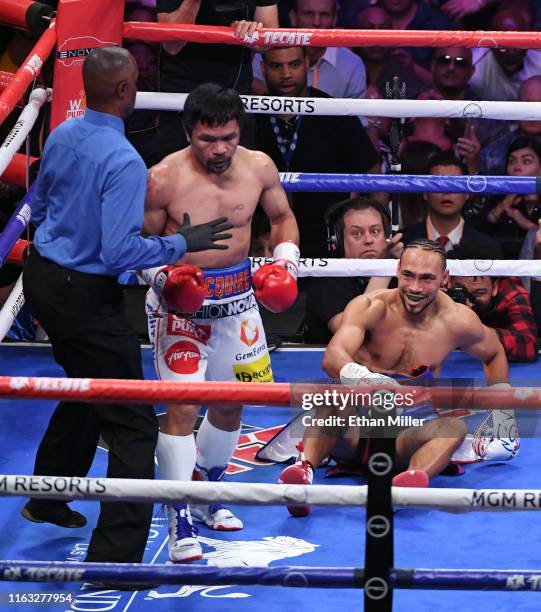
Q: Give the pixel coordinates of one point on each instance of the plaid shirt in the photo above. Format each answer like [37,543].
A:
[513,319]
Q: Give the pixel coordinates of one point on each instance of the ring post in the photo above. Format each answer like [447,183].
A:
[379,550]
[81,27]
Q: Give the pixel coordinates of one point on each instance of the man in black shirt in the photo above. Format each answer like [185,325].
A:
[310,143]
[444,222]
[183,66]
[358,228]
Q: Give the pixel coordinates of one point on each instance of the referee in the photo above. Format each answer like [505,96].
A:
[88,210]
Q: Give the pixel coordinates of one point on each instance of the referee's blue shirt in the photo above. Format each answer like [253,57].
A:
[89,201]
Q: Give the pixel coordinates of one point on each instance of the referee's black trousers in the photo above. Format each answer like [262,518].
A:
[91,338]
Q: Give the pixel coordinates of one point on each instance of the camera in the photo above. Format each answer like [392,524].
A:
[458,294]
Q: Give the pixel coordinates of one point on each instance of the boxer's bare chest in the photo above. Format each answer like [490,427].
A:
[394,346]
[205,198]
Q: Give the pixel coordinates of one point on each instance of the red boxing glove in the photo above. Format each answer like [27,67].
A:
[274,287]
[182,286]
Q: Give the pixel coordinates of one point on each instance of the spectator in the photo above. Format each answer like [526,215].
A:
[184,65]
[416,15]
[359,228]
[309,143]
[444,222]
[452,68]
[348,11]
[511,217]
[457,10]
[500,71]
[335,70]
[136,12]
[381,65]
[429,129]
[500,303]
[492,158]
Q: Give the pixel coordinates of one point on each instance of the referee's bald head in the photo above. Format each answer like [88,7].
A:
[109,77]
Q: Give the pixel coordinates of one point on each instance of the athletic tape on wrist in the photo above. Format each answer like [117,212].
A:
[287,254]
[155,278]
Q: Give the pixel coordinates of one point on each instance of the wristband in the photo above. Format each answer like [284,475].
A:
[155,278]
[352,372]
[287,254]
[500,385]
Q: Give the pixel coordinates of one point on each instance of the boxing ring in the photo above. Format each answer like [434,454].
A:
[272,539]
[328,560]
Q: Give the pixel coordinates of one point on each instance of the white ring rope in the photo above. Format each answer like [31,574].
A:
[270,105]
[134,490]
[336,267]
[387,267]
[11,308]
[22,127]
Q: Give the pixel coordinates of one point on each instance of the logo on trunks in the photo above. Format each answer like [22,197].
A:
[183,357]
[218,311]
[188,329]
[254,371]
[228,285]
[249,354]
[249,334]
[84,45]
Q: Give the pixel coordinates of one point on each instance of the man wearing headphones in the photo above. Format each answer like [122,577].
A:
[358,228]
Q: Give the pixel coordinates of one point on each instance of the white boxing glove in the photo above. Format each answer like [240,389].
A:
[355,374]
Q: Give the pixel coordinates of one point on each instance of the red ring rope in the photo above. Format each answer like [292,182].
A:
[163,32]
[275,394]
[27,72]
[15,173]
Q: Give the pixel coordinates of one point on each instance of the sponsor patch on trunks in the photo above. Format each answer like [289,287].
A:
[177,326]
[183,357]
[254,371]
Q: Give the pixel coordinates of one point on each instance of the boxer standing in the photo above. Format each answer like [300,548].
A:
[225,339]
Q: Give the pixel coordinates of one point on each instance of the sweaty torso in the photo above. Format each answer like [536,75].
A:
[233,194]
[398,345]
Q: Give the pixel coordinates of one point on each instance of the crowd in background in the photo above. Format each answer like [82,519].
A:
[500,226]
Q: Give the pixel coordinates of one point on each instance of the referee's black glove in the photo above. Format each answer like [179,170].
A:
[204,236]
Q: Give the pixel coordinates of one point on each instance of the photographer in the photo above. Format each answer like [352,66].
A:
[183,65]
[500,303]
